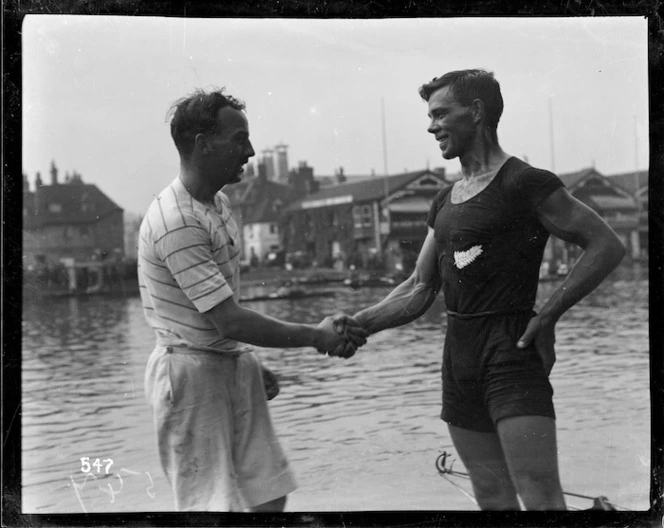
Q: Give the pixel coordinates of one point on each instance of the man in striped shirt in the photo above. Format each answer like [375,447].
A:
[205,385]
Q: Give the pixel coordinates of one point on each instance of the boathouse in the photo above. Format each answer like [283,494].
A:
[616,205]
[376,222]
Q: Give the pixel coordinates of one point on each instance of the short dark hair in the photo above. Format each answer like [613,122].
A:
[468,85]
[197,113]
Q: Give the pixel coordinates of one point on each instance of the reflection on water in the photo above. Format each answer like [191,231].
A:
[362,434]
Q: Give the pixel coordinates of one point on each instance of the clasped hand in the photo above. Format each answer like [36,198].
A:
[340,335]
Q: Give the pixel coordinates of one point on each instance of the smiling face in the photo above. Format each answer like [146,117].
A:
[229,148]
[452,124]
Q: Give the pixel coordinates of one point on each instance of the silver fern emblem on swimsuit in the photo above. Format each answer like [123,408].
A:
[463,258]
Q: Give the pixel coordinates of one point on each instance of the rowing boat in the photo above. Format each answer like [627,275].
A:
[445,470]
[289,295]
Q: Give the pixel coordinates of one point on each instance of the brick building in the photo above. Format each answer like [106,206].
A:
[69,220]
[374,222]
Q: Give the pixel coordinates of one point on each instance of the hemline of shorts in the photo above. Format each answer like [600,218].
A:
[471,425]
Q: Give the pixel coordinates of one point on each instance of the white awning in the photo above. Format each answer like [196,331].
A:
[327,202]
[411,204]
[613,202]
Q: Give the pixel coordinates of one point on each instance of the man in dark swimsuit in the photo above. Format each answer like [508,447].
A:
[484,247]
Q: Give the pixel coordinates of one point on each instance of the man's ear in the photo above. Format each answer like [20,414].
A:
[201,143]
[477,110]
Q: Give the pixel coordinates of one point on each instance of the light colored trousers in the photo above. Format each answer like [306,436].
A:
[216,442]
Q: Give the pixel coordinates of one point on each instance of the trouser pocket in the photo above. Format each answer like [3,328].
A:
[158,377]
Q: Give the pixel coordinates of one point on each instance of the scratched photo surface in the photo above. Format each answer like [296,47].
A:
[340,97]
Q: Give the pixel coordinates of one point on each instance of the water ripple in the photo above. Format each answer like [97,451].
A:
[363,421]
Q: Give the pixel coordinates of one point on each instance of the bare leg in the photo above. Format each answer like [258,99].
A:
[276,505]
[529,444]
[483,457]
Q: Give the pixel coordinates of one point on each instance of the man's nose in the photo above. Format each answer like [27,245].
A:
[250,150]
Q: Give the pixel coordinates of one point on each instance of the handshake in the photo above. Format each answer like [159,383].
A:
[340,335]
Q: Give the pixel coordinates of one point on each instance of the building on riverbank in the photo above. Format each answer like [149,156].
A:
[376,222]
[258,203]
[618,206]
[69,220]
[73,239]
[636,183]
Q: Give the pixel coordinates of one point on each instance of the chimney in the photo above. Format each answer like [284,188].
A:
[262,171]
[38,181]
[54,174]
[268,161]
[302,179]
[26,184]
[340,175]
[282,162]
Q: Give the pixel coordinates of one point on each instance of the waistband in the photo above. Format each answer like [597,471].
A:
[187,351]
[504,311]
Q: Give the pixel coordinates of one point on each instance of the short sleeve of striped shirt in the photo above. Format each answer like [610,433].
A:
[187,254]
[185,247]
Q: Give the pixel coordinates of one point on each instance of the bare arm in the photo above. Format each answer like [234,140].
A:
[410,299]
[571,220]
[247,326]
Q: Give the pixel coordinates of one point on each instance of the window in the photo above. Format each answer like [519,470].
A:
[367,217]
[357,217]
[273,229]
[54,208]
[362,216]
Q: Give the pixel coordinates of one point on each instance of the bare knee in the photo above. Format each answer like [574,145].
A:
[539,491]
[276,505]
[493,494]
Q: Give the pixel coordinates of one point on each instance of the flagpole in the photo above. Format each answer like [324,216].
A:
[636,147]
[385,173]
[553,156]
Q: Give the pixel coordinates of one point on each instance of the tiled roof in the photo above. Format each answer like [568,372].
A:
[571,179]
[370,189]
[631,181]
[628,181]
[69,203]
[613,203]
[257,200]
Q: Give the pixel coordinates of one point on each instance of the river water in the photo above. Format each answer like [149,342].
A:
[361,434]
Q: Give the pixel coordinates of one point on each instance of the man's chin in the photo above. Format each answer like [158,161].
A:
[235,179]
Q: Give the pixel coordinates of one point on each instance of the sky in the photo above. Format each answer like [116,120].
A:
[96,91]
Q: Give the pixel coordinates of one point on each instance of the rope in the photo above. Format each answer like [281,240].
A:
[600,503]
[468,495]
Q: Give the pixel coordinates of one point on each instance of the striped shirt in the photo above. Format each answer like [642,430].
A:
[188,262]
